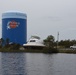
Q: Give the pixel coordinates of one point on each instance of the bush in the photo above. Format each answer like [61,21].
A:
[50,50]
[15,46]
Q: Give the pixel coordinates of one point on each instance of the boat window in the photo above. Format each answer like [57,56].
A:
[32,40]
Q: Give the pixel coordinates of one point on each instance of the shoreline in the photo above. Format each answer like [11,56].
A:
[39,51]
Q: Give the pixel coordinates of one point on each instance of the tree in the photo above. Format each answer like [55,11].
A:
[1,41]
[67,43]
[49,41]
[7,41]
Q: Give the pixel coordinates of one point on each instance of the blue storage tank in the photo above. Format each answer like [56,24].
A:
[14,27]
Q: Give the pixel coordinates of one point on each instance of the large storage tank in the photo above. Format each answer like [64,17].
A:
[14,27]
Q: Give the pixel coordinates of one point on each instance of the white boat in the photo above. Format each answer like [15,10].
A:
[34,42]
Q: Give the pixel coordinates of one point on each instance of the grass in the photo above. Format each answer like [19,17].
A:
[45,50]
[4,49]
[67,51]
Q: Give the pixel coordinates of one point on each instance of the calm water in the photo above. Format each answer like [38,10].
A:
[37,64]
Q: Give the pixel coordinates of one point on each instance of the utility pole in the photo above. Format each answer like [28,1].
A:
[57,39]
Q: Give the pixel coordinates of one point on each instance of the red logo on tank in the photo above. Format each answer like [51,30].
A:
[12,24]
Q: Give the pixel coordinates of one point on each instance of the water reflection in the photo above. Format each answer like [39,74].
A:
[13,64]
[38,64]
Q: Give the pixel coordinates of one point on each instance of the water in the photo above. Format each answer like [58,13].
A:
[37,64]
[13,64]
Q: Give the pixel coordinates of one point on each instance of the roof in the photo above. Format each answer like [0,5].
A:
[14,14]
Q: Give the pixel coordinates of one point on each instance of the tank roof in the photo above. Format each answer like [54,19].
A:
[14,14]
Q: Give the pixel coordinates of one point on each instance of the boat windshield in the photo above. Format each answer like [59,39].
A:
[32,41]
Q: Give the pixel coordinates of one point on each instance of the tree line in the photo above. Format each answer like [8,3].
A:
[2,41]
[50,42]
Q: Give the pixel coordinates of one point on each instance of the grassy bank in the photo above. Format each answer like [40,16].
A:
[29,50]
[45,50]
[66,51]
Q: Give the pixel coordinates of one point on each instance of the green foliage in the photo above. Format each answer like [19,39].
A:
[15,46]
[49,41]
[67,51]
[50,50]
[7,41]
[67,43]
[1,42]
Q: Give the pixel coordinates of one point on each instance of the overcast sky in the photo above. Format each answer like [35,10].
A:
[45,17]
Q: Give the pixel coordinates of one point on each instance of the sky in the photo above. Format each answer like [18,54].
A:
[45,17]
